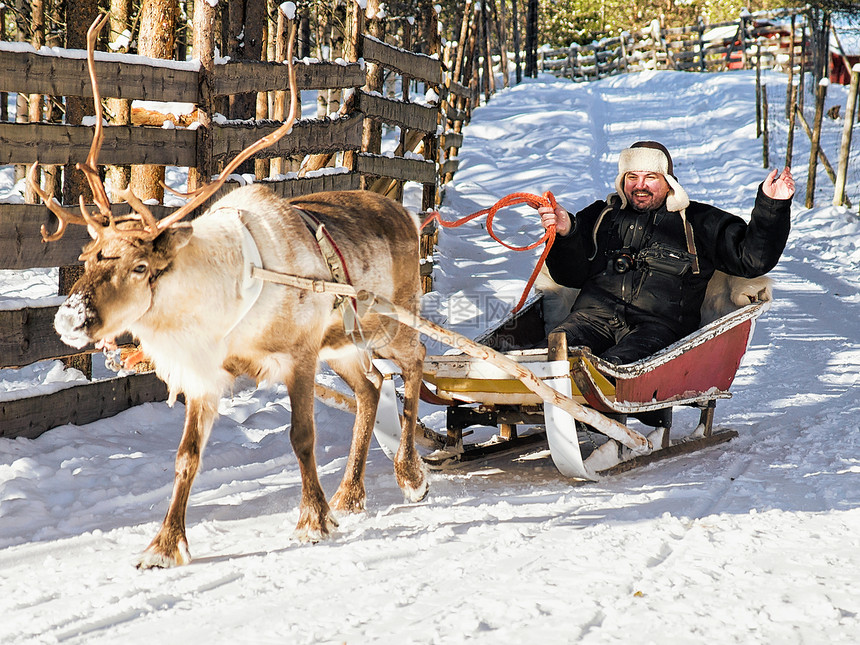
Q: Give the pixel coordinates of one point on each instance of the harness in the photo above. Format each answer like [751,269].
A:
[251,288]
[339,273]
[340,284]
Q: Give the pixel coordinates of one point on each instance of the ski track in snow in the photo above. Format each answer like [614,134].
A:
[756,541]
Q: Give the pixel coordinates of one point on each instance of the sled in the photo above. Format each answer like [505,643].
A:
[696,371]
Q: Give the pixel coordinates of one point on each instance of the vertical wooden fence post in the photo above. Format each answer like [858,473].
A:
[792,111]
[353,51]
[845,148]
[789,98]
[758,93]
[820,95]
[4,96]
[765,139]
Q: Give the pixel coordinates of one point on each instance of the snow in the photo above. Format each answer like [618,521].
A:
[755,541]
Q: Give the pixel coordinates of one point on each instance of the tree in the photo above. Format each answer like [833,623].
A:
[156,40]
[531,38]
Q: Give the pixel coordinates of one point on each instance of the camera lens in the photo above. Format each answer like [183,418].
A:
[622,263]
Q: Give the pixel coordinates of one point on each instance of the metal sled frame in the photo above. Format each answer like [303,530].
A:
[695,371]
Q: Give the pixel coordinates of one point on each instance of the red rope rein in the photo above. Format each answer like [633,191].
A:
[535,201]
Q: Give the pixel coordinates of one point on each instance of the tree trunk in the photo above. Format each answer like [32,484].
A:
[463,42]
[203,49]
[261,165]
[4,96]
[531,38]
[323,53]
[819,21]
[372,136]
[515,21]
[245,27]
[156,40]
[502,19]
[119,110]
[489,76]
[79,17]
[37,39]
[303,50]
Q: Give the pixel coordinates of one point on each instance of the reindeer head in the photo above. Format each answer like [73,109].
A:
[121,268]
[128,253]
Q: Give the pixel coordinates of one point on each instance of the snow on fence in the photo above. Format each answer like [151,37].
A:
[26,332]
[700,48]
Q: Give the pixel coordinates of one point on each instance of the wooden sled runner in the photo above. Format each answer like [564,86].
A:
[482,390]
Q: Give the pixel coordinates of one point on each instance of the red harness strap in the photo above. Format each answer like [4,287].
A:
[535,201]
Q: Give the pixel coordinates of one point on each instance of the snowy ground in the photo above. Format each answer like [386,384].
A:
[757,541]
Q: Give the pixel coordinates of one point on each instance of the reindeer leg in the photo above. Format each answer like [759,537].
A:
[315,520]
[409,470]
[350,495]
[170,546]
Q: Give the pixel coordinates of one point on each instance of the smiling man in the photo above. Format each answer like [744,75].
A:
[643,258]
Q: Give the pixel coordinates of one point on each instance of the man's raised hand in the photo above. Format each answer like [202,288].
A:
[779,186]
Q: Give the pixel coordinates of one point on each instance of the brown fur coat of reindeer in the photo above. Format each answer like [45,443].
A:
[179,288]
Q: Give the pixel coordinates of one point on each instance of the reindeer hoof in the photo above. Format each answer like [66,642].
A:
[416,493]
[414,482]
[154,558]
[313,532]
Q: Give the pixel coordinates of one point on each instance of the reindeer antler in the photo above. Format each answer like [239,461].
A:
[65,216]
[202,194]
[151,226]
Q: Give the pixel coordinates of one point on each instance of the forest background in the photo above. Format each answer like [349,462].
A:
[253,30]
[136,24]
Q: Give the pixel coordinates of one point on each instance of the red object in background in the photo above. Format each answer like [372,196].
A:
[839,71]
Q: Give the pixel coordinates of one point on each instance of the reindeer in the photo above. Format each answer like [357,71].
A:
[184,291]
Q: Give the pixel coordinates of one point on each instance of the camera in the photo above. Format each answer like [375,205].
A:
[622,261]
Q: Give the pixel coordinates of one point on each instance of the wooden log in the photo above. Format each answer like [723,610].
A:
[27,335]
[32,416]
[54,143]
[758,94]
[765,139]
[247,76]
[422,172]
[789,146]
[845,145]
[815,139]
[307,136]
[405,115]
[66,75]
[822,157]
[420,66]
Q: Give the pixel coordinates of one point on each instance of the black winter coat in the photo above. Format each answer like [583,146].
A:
[659,281]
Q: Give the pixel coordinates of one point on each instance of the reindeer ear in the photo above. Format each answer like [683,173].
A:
[172,239]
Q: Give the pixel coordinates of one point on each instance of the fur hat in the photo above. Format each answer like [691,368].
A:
[650,156]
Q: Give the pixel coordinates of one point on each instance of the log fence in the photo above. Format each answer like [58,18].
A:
[333,145]
[698,48]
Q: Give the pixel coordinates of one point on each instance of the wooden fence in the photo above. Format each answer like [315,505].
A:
[27,334]
[701,48]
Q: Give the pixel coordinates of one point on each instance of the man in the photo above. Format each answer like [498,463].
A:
[643,257]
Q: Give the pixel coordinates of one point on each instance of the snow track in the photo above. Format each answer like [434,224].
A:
[754,541]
